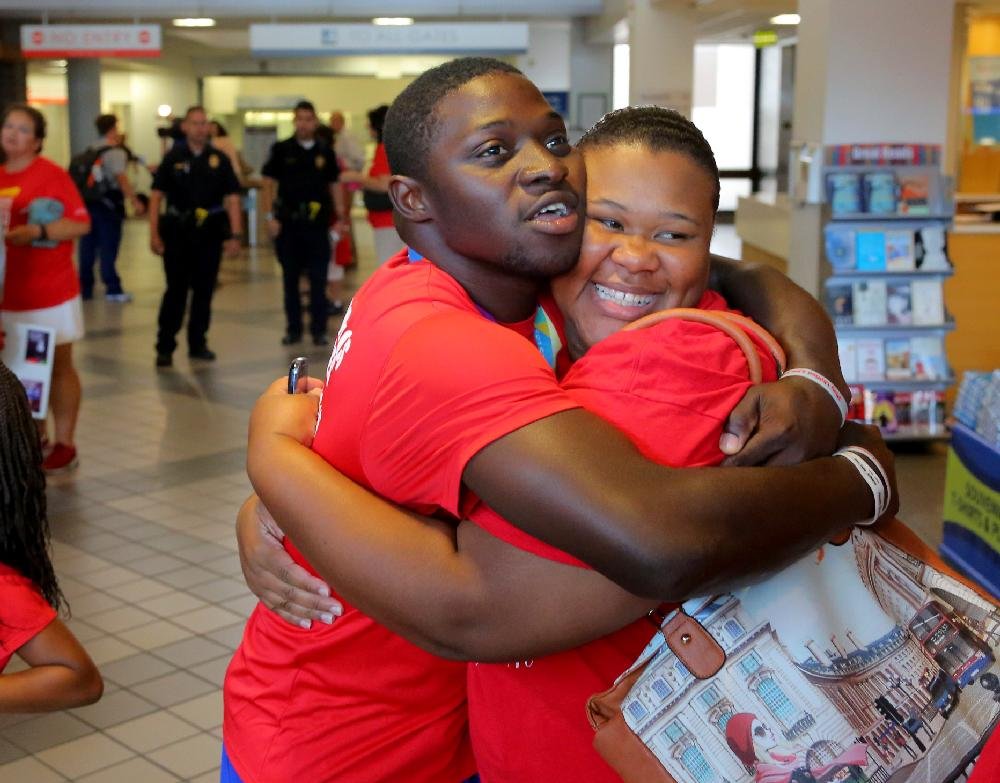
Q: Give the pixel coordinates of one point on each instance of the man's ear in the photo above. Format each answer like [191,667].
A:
[409,198]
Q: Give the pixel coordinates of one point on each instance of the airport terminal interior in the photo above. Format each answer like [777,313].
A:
[142,524]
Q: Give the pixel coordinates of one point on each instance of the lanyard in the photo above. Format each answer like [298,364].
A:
[546,337]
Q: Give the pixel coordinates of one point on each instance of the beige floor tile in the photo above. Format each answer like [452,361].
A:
[29,769]
[109,649]
[188,652]
[46,731]
[215,670]
[193,756]
[135,669]
[82,756]
[120,619]
[205,712]
[153,731]
[137,770]
[154,634]
[173,689]
[172,603]
[208,618]
[114,708]
[138,591]
[108,577]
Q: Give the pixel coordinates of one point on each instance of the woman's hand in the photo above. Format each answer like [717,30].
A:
[281,584]
[23,235]
[781,423]
[277,412]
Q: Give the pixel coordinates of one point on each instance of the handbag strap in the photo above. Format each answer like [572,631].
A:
[736,329]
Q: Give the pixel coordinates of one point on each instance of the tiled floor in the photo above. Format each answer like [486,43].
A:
[143,529]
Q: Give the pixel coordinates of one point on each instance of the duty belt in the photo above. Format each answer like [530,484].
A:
[197,215]
[304,211]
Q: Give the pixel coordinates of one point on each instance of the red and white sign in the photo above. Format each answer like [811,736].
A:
[90,40]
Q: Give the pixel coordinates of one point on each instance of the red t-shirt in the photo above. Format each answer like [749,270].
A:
[24,613]
[987,769]
[380,166]
[40,277]
[419,381]
[670,388]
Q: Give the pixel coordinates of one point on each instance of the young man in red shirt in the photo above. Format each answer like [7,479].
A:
[436,392]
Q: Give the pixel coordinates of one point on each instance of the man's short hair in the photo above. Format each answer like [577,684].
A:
[105,123]
[411,124]
[305,106]
[192,109]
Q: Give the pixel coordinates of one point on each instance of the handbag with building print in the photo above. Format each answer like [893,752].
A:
[865,662]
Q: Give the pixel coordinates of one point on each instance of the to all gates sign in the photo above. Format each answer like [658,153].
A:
[90,40]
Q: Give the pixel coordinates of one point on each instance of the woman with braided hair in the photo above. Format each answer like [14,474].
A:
[61,674]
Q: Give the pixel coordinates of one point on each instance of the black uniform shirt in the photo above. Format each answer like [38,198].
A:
[303,176]
[190,181]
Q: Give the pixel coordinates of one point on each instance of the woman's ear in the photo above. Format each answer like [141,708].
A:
[409,199]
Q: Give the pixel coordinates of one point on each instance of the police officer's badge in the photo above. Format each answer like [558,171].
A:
[213,161]
[320,161]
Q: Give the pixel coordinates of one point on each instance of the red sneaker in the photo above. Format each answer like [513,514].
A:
[60,459]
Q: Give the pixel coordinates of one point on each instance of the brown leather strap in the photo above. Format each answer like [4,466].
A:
[694,646]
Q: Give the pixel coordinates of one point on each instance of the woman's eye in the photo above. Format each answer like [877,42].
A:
[611,224]
[670,236]
[558,142]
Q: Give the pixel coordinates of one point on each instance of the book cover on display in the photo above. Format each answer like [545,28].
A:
[897,303]
[897,359]
[882,154]
[880,409]
[848,352]
[914,194]
[856,406]
[870,251]
[840,244]
[899,251]
[869,302]
[933,241]
[927,359]
[840,303]
[927,302]
[29,351]
[871,359]
[880,192]
[843,192]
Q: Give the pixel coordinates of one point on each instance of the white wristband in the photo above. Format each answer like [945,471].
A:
[878,466]
[872,479]
[825,383]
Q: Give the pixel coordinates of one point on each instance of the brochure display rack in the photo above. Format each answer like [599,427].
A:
[886,262]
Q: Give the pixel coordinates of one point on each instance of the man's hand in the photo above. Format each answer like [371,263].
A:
[156,244]
[869,437]
[781,423]
[231,248]
[273,228]
[274,577]
[23,235]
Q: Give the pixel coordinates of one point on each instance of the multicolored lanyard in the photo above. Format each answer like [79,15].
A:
[546,336]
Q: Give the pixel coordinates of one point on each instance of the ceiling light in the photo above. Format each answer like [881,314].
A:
[786,19]
[60,63]
[164,110]
[392,21]
[197,21]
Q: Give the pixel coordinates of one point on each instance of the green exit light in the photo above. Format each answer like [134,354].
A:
[762,38]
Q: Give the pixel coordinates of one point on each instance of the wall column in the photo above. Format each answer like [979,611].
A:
[83,79]
[661,53]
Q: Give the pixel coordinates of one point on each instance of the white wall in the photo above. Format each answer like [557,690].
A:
[547,62]
[873,71]
[590,70]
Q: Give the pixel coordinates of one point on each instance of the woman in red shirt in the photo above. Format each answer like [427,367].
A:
[376,191]
[41,286]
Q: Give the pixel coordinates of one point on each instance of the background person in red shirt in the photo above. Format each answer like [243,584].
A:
[41,285]
[60,674]
[434,391]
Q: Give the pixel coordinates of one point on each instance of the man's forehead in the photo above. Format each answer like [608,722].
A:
[490,100]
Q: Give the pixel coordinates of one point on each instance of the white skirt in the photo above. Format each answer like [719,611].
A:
[65,319]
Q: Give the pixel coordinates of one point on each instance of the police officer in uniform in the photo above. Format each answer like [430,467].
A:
[202,215]
[300,192]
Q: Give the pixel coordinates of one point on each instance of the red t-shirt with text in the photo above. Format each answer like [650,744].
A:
[670,388]
[24,613]
[39,277]
[419,381]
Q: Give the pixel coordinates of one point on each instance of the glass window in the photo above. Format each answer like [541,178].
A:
[674,731]
[661,688]
[637,709]
[694,762]
[734,629]
[776,701]
[723,100]
[723,720]
[709,696]
[682,672]
[750,663]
